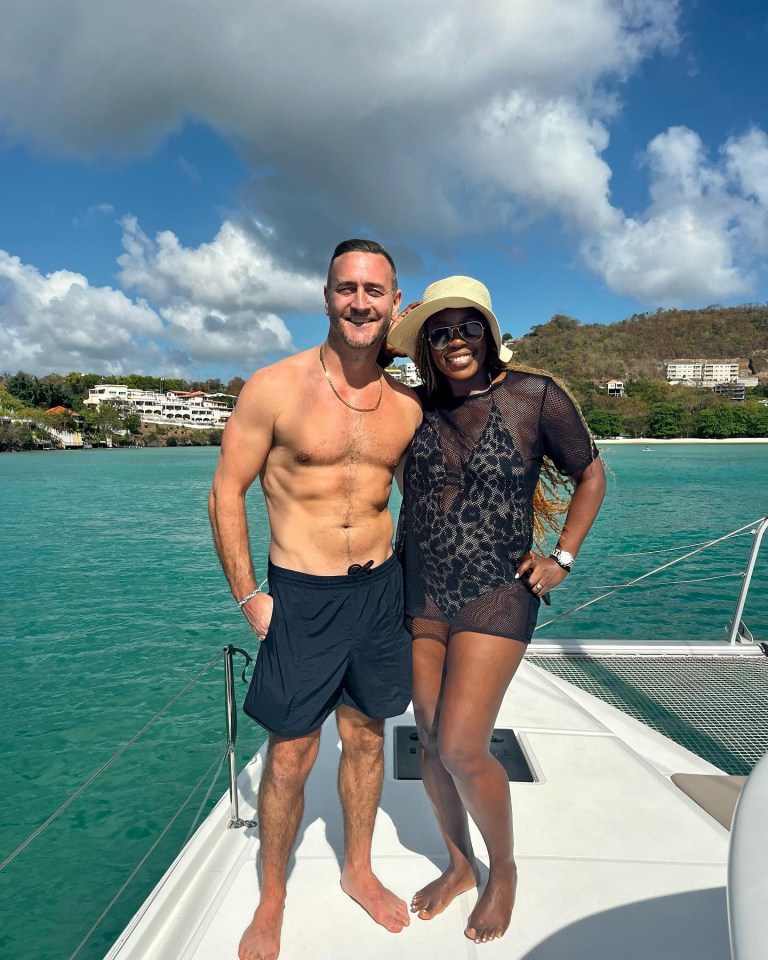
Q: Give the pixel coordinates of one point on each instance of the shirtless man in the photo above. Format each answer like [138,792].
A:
[324,431]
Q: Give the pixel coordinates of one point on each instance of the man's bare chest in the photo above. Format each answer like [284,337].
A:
[340,440]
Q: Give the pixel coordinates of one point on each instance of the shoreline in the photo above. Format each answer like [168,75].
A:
[627,441]
[649,441]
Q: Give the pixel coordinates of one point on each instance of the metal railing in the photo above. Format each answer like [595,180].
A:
[231,709]
[738,631]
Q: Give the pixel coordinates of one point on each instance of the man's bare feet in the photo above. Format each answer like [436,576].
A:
[385,908]
[261,940]
[436,896]
[493,911]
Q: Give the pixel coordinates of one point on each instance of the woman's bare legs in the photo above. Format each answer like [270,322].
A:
[460,775]
[429,657]
[478,670]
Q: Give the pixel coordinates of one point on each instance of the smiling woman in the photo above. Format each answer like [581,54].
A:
[459,350]
[472,584]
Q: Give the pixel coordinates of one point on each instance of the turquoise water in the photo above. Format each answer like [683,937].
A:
[112,601]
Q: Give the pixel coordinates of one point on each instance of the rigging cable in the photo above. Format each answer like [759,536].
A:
[200,809]
[143,860]
[682,546]
[101,769]
[671,583]
[650,573]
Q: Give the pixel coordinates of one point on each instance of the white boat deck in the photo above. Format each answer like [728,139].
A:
[613,859]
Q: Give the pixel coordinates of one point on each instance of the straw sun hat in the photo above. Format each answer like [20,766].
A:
[440,295]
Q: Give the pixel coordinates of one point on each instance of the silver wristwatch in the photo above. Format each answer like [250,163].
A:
[563,559]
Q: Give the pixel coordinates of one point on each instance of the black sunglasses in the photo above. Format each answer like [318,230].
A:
[470,331]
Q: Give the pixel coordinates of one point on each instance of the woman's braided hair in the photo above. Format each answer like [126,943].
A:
[554,490]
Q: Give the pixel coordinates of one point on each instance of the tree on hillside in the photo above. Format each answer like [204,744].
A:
[561,321]
[756,419]
[140,382]
[24,387]
[79,384]
[8,403]
[667,420]
[104,421]
[649,391]
[132,423]
[603,423]
[234,386]
[49,391]
[16,436]
[716,422]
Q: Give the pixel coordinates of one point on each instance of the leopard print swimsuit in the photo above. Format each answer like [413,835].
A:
[467,516]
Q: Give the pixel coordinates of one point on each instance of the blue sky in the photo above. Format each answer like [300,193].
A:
[174,177]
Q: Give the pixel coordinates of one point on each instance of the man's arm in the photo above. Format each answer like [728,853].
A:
[245,445]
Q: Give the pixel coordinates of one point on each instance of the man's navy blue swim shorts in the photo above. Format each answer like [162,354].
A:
[331,640]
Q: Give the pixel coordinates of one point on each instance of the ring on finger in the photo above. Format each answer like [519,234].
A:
[537,585]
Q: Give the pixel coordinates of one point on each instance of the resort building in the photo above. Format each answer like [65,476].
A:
[406,373]
[190,409]
[615,388]
[104,392]
[701,371]
[733,389]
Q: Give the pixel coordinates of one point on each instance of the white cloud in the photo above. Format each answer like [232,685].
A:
[365,118]
[670,258]
[245,338]
[421,124]
[747,163]
[93,214]
[189,170]
[59,322]
[221,301]
[546,155]
[253,65]
[704,235]
[213,308]
[233,272]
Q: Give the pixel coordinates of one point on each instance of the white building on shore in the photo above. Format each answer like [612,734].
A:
[196,409]
[705,372]
[407,373]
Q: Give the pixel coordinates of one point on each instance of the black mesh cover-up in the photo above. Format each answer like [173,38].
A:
[467,516]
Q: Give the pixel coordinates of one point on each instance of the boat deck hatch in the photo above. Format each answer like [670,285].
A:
[504,747]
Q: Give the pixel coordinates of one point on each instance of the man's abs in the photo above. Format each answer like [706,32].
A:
[328,477]
[325,519]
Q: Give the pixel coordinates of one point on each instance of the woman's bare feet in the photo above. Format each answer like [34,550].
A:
[261,940]
[384,906]
[436,896]
[493,911]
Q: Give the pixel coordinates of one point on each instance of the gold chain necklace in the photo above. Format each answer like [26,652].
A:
[338,395]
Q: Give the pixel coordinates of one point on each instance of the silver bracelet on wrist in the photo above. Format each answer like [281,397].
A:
[251,595]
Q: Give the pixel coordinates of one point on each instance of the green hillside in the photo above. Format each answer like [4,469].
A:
[585,355]
[638,347]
